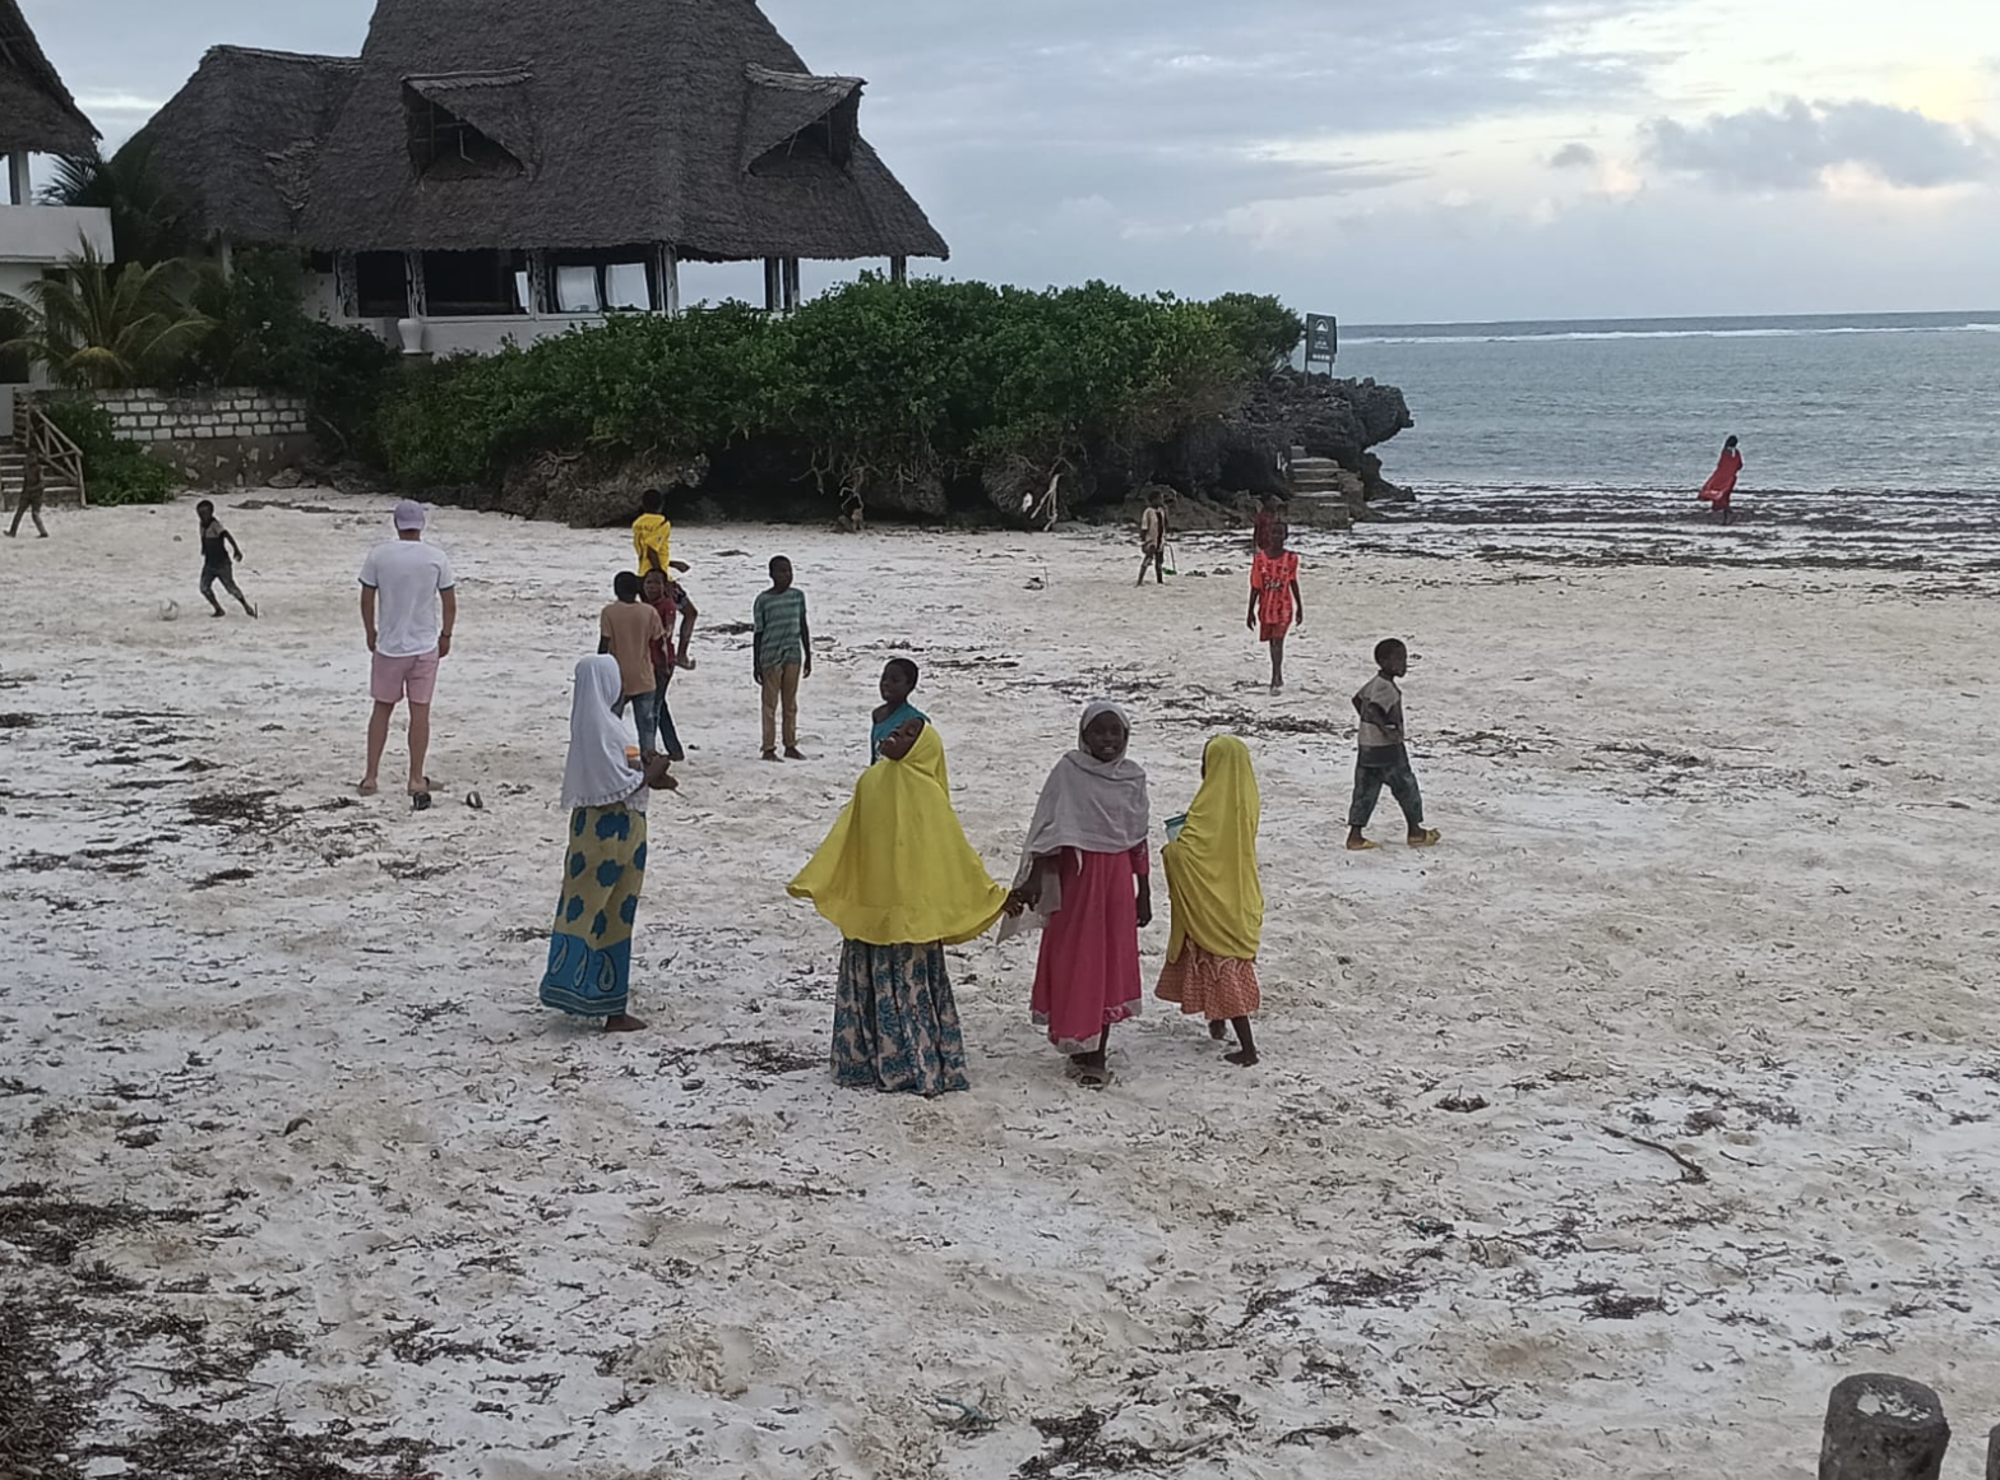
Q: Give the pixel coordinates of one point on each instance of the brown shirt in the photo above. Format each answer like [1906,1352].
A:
[632,628]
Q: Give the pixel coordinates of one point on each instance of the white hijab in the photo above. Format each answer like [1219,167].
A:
[1090,805]
[598,774]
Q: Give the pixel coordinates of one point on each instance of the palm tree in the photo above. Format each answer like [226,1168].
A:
[93,328]
[148,218]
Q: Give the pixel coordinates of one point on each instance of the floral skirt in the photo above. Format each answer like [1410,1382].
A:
[590,948]
[895,1025]
[1215,987]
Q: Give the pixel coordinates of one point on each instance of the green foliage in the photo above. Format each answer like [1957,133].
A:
[261,336]
[93,326]
[877,381]
[149,220]
[1264,331]
[116,471]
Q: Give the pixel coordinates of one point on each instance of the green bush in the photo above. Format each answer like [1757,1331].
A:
[1264,331]
[875,380]
[262,336]
[115,471]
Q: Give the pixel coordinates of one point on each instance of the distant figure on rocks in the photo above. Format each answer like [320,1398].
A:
[31,499]
[604,863]
[1217,900]
[404,583]
[216,568]
[1275,601]
[1722,483]
[1086,880]
[1153,539]
[781,653]
[1384,758]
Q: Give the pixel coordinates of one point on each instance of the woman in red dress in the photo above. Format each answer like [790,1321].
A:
[1718,488]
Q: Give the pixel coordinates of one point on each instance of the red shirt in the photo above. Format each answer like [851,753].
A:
[1272,579]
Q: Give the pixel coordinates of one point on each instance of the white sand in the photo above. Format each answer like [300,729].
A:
[1715,842]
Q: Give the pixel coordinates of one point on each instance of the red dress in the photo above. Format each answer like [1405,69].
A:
[1087,977]
[1718,488]
[1272,580]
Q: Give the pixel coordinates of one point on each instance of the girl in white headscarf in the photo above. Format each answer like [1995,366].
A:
[590,949]
[1085,880]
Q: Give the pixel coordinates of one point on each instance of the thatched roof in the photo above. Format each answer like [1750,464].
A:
[36,111]
[239,143]
[598,123]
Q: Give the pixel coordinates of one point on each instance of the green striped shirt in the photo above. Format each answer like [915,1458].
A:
[781,622]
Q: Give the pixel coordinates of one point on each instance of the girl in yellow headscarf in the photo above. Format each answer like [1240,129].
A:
[1218,902]
[898,877]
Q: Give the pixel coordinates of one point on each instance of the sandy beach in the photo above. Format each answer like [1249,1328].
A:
[1601,1141]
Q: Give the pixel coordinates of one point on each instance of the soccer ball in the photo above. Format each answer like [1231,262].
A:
[170,611]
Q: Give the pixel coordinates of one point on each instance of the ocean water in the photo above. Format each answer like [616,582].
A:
[1869,440]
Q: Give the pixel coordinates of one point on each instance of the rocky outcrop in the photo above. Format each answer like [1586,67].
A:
[1225,461]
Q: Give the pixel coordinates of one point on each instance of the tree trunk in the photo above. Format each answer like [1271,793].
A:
[1883,1428]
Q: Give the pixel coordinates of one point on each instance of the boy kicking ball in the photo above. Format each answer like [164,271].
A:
[1384,758]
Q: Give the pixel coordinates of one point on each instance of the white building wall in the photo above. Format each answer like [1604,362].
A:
[44,235]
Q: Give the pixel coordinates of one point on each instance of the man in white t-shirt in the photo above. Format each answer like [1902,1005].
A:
[404,584]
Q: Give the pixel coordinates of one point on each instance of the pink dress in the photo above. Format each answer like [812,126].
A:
[1088,975]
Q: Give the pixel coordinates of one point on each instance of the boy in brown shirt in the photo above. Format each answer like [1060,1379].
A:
[627,630]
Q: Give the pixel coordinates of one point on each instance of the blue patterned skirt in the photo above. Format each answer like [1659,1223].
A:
[895,1025]
[590,949]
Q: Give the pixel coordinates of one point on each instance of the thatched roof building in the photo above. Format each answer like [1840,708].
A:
[486,157]
[237,146]
[37,113]
[492,123]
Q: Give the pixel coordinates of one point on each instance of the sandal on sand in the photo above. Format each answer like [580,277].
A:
[1094,1078]
[420,801]
[1364,846]
[1426,839]
[475,801]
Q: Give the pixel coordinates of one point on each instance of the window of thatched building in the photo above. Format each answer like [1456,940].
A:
[443,146]
[592,282]
[467,284]
[381,285]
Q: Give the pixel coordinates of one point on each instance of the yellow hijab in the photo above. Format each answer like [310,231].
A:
[1212,881]
[896,869]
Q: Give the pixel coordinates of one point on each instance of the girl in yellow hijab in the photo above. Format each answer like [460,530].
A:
[1217,900]
[898,878]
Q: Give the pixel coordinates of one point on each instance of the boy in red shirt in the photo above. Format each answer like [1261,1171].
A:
[666,597]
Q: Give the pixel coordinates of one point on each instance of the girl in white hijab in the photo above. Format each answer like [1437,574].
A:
[1085,880]
[590,949]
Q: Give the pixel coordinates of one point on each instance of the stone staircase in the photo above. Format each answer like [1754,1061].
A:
[1323,492]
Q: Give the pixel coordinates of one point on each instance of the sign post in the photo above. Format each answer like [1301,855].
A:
[1322,341]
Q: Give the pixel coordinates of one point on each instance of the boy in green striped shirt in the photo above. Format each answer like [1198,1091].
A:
[781,653]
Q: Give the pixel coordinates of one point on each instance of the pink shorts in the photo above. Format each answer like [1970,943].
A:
[391,680]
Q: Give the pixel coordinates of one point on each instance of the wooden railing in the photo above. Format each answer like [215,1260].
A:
[42,441]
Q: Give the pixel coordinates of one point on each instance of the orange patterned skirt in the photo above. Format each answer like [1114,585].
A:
[1215,987]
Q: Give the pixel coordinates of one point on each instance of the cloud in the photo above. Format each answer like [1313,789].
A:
[1796,144]
[1573,157]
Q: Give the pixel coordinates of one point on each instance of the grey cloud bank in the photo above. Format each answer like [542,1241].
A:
[1791,146]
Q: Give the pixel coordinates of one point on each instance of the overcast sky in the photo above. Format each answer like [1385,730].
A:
[1437,159]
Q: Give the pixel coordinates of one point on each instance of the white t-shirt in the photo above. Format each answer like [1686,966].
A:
[407,576]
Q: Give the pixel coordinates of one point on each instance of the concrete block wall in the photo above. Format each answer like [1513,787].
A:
[226,415]
[216,439]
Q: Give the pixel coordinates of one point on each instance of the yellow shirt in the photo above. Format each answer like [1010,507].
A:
[652,542]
